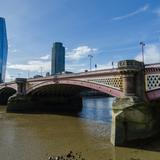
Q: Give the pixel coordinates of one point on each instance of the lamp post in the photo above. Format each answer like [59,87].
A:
[142,45]
[90,60]
[112,65]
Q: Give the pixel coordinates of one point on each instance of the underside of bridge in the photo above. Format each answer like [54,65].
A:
[50,98]
[5,93]
[57,97]
[60,90]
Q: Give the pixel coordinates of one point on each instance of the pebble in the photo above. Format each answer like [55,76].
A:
[68,156]
[50,158]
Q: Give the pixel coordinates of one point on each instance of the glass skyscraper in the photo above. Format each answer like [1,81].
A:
[58,58]
[3,49]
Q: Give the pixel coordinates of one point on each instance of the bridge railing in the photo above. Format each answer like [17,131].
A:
[152,65]
[72,75]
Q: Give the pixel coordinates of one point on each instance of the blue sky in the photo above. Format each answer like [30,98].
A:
[109,30]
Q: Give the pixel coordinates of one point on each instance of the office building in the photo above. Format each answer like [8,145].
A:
[3,49]
[58,58]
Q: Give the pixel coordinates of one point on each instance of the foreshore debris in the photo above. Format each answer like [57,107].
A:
[68,156]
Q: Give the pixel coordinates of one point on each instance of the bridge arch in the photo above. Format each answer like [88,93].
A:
[77,83]
[5,93]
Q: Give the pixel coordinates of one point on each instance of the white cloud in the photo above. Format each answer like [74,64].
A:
[8,77]
[151,54]
[78,67]
[11,46]
[80,53]
[44,62]
[74,66]
[36,65]
[32,66]
[138,11]
[46,57]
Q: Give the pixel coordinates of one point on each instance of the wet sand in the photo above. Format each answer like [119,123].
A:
[38,136]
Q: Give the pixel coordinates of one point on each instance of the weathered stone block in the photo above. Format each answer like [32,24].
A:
[132,120]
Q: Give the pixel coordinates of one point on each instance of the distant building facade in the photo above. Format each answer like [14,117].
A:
[3,49]
[58,58]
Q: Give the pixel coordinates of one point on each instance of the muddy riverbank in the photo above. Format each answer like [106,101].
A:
[39,136]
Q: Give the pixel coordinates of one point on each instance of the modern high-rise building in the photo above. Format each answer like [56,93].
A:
[3,49]
[58,58]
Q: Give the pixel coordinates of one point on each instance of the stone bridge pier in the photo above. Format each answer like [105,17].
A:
[133,117]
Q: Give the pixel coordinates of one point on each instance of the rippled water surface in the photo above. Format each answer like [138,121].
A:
[37,136]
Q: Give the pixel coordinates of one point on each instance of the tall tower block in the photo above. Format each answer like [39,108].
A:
[58,58]
[3,49]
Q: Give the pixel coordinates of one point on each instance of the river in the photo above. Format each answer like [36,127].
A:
[38,136]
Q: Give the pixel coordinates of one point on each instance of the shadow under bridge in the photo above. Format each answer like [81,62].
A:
[57,97]
[5,93]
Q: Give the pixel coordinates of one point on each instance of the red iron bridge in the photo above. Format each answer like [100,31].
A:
[136,86]
[131,78]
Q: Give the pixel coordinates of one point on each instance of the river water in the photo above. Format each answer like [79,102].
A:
[38,136]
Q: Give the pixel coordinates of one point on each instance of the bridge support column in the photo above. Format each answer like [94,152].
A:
[20,98]
[129,84]
[132,117]
[21,86]
[133,121]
